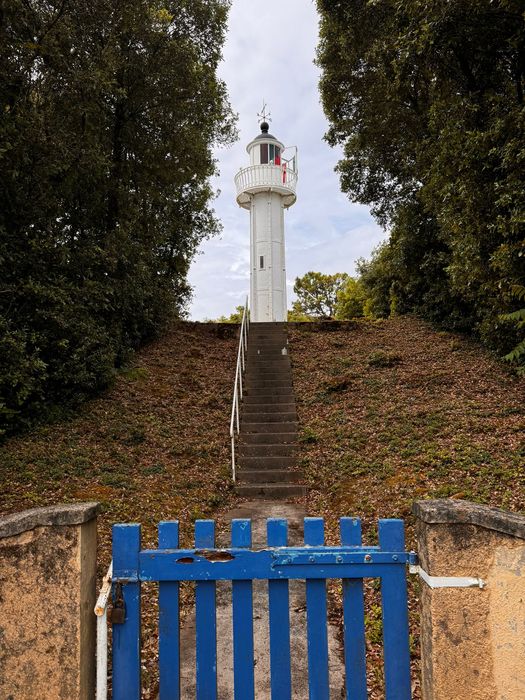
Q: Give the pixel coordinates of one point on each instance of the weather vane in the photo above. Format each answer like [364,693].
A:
[263,116]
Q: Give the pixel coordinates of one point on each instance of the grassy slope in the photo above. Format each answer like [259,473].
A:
[393,411]
[153,447]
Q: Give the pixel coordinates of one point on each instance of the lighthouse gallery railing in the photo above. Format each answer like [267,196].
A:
[266,176]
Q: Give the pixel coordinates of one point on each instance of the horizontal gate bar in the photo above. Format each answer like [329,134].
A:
[284,563]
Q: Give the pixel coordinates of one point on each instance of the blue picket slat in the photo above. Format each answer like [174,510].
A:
[126,637]
[169,635]
[205,620]
[279,619]
[242,603]
[396,648]
[316,619]
[354,619]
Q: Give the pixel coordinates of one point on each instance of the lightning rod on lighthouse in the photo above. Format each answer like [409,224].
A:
[266,188]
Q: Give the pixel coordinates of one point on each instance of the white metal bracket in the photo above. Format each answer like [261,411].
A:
[447,581]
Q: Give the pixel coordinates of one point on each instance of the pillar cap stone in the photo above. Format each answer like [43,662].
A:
[62,514]
[449,510]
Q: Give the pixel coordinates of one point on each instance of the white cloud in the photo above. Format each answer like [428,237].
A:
[269,54]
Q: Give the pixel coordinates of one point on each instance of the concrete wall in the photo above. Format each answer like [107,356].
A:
[472,639]
[47,596]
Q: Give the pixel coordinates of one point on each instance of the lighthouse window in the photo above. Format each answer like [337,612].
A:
[272,153]
[264,153]
[261,262]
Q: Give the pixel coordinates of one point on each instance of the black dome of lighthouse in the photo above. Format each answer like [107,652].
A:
[265,135]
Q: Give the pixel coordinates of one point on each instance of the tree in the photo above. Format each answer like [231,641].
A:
[426,100]
[351,300]
[109,115]
[317,294]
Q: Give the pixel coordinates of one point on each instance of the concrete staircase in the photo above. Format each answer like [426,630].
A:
[268,435]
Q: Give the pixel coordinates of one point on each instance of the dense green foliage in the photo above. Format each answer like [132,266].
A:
[426,99]
[108,113]
[352,301]
[517,354]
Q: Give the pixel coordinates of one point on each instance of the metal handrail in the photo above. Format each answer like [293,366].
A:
[237,387]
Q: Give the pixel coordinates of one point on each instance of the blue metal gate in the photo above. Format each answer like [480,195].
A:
[351,562]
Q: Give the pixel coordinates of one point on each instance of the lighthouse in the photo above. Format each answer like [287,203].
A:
[266,187]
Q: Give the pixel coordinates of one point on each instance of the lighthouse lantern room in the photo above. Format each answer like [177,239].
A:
[266,188]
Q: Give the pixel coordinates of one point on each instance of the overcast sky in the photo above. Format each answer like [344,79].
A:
[269,54]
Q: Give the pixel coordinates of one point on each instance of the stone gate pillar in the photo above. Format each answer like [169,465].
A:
[472,639]
[47,596]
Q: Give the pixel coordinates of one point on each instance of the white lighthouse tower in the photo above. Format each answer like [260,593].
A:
[266,188]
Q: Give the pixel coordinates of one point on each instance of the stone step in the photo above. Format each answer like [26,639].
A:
[267,343]
[261,334]
[268,476]
[275,341]
[267,393]
[267,337]
[268,358]
[265,417]
[268,377]
[265,398]
[260,362]
[273,354]
[261,342]
[268,427]
[265,462]
[268,450]
[269,366]
[268,438]
[270,491]
[256,382]
[267,352]
[267,328]
[249,408]
[267,374]
[275,337]
[264,394]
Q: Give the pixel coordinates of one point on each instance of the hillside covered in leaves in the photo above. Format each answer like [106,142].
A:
[155,446]
[392,411]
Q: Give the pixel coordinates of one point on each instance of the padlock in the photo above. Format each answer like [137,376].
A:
[117,616]
[117,613]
